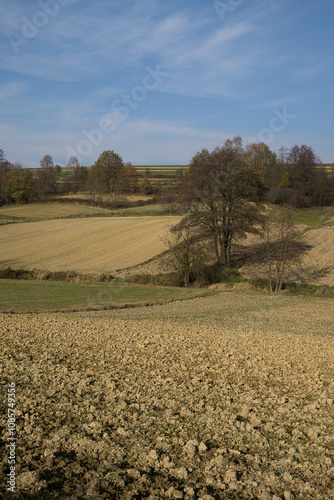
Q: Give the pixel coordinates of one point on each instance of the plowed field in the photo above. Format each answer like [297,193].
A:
[227,397]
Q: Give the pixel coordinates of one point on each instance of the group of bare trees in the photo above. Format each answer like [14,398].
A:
[301,180]
[277,250]
[222,195]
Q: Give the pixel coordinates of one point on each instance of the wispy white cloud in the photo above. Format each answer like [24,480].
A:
[93,43]
[143,133]
[140,134]
[218,42]
[65,78]
[11,90]
[150,128]
[312,68]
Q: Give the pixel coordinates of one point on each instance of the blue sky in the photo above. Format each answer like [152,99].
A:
[158,81]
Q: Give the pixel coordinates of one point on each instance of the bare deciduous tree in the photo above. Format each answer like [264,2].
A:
[223,194]
[279,233]
[273,257]
[186,250]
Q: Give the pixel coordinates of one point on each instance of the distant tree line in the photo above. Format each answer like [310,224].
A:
[109,175]
[292,177]
[300,179]
[16,184]
[19,185]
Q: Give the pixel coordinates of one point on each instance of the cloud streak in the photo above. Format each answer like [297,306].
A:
[224,75]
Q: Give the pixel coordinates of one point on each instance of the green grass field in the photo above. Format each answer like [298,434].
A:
[151,210]
[38,296]
[311,217]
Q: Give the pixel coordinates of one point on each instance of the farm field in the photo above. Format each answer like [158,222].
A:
[316,263]
[223,397]
[96,240]
[91,245]
[48,211]
[44,211]
[320,254]
[152,210]
[156,172]
[86,196]
[19,296]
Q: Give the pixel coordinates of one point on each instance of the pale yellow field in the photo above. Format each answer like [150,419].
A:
[137,197]
[314,266]
[91,245]
[50,210]
[320,254]
[106,197]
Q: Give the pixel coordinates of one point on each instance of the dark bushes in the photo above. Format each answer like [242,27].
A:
[19,274]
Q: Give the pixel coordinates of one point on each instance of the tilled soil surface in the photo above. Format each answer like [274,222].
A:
[229,396]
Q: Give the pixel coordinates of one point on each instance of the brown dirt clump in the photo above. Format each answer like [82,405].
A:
[229,396]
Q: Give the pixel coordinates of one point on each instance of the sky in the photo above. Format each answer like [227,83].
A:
[156,81]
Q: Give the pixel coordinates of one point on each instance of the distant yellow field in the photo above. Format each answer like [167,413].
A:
[91,245]
[50,210]
[107,197]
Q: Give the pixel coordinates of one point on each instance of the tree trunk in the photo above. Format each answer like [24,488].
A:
[226,250]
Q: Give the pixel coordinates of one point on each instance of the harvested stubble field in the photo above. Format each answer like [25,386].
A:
[94,245]
[226,397]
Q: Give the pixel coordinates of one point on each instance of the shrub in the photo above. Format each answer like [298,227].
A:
[61,275]
[8,273]
[105,278]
